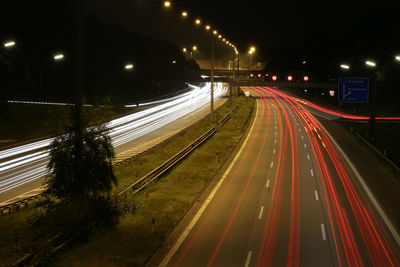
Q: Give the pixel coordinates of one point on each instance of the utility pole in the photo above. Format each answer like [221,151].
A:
[212,79]
[372,94]
[79,83]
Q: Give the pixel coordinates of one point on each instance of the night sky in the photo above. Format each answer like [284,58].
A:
[284,32]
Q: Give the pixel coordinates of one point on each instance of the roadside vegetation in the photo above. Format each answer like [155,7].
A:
[121,235]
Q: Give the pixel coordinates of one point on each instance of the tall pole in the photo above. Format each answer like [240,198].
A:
[372,106]
[251,54]
[79,83]
[212,79]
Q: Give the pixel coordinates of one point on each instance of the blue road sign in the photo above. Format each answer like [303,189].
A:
[353,90]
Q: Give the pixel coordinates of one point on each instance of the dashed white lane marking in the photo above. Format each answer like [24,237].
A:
[275,127]
[308,156]
[323,231]
[275,141]
[261,212]
[305,145]
[267,185]
[302,136]
[316,195]
[248,259]
[275,133]
[312,172]
[273,152]
[272,164]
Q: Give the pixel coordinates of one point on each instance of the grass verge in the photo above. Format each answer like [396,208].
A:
[131,242]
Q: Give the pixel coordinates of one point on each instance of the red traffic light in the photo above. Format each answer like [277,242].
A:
[251,75]
[290,78]
[274,78]
[306,78]
[259,75]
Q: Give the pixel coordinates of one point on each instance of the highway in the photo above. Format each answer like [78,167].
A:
[287,197]
[23,168]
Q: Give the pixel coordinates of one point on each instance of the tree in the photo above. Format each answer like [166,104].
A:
[89,173]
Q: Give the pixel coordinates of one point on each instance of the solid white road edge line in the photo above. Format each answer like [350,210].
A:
[185,233]
[248,259]
[371,196]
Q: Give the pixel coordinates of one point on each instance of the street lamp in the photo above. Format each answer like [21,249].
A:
[370,63]
[250,55]
[208,27]
[184,50]
[215,32]
[184,14]
[197,21]
[9,44]
[344,66]
[397,58]
[167,4]
[58,57]
[129,66]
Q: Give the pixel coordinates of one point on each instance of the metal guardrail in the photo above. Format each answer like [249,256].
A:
[170,163]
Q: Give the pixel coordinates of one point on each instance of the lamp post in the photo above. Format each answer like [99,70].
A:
[57,58]
[372,97]
[127,67]
[212,76]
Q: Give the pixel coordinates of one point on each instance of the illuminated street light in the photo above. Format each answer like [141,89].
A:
[253,49]
[167,4]
[251,52]
[397,58]
[184,14]
[208,27]
[344,66]
[58,57]
[184,50]
[197,21]
[370,63]
[223,40]
[9,44]
[194,48]
[219,36]
[129,66]
[215,32]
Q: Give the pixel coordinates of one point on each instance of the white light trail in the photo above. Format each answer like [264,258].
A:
[22,164]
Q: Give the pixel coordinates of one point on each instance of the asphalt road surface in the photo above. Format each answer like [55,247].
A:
[23,168]
[288,197]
